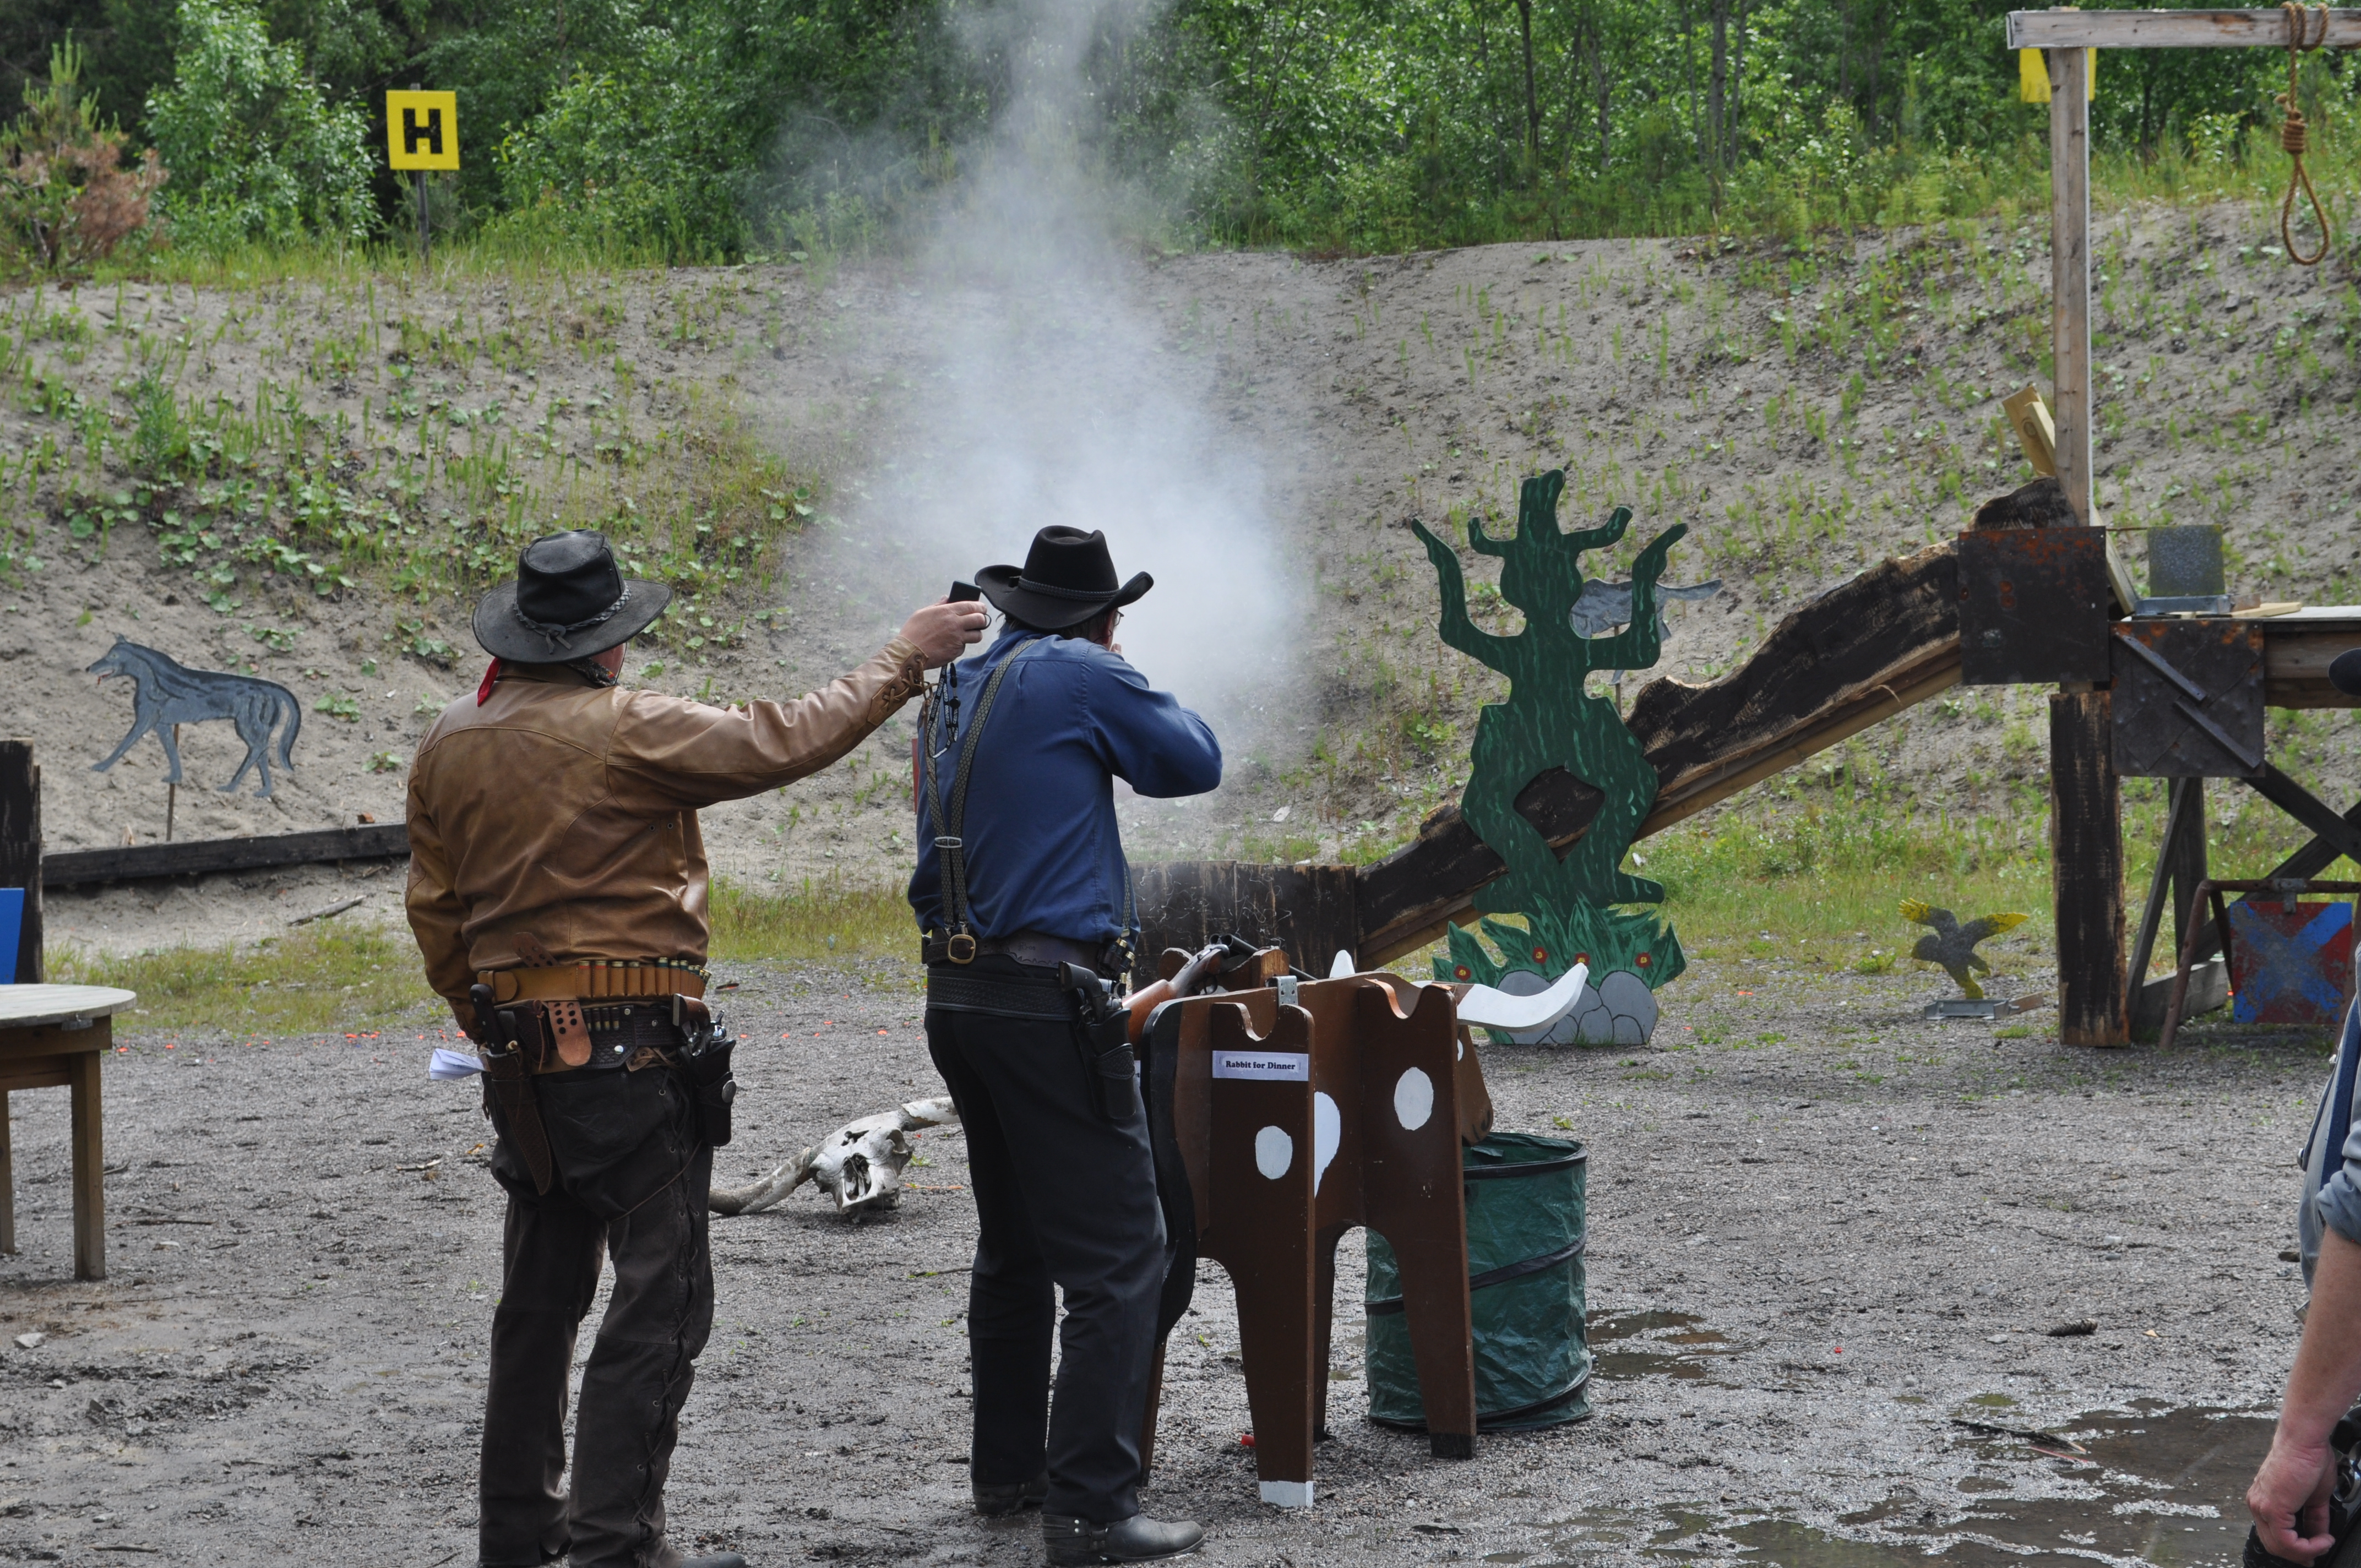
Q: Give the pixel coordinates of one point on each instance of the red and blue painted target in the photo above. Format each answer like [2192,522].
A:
[2290,966]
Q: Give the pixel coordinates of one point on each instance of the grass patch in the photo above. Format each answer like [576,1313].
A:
[332,982]
[1820,881]
[366,977]
[817,923]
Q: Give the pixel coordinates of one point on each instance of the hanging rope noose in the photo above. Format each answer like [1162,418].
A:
[2294,135]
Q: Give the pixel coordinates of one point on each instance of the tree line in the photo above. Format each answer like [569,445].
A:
[704,130]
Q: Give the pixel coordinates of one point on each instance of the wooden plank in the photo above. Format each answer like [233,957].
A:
[2170,29]
[20,854]
[23,1009]
[2070,271]
[76,868]
[36,1072]
[90,1161]
[2184,857]
[2159,885]
[2296,657]
[2087,852]
[1306,909]
[7,1182]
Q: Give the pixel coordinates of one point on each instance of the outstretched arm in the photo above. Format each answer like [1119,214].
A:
[1458,631]
[1638,645]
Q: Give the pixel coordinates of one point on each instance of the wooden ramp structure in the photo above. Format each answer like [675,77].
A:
[1868,649]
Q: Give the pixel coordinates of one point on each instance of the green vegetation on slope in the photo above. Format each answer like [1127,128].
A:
[702,129]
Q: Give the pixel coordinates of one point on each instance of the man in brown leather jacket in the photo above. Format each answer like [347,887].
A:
[557,875]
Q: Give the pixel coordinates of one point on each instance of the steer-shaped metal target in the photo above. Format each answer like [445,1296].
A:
[1293,1112]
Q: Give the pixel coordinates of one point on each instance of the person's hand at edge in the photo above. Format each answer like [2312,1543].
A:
[942,630]
[2290,1492]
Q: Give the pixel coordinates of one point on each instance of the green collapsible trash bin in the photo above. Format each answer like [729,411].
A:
[1525,1286]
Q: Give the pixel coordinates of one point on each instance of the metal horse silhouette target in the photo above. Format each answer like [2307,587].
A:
[1549,721]
[166,692]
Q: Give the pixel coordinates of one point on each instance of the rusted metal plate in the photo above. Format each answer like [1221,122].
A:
[2033,605]
[2189,698]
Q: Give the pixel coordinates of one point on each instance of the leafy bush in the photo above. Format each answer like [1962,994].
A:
[257,150]
[631,158]
[65,198]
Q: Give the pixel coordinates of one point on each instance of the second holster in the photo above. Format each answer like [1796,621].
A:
[510,1086]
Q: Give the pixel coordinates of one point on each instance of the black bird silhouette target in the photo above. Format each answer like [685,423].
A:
[166,692]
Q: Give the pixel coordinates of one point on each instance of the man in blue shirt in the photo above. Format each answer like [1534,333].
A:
[1021,869]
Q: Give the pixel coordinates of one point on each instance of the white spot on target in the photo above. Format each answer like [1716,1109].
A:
[1274,1152]
[1414,1100]
[1327,1131]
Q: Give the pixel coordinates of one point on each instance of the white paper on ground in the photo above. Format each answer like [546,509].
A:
[446,1065]
[1498,1010]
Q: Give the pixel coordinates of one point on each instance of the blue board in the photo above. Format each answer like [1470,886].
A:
[12,931]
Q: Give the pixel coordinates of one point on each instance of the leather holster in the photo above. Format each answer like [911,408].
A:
[507,1082]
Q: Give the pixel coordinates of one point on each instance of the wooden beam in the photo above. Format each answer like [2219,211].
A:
[20,856]
[2170,29]
[2159,886]
[2185,858]
[7,1182]
[2087,852]
[89,1139]
[2069,271]
[2296,657]
[81,867]
[2308,808]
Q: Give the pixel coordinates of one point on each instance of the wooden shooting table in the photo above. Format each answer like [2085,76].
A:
[52,1035]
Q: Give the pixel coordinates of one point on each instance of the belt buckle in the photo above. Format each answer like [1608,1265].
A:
[954,951]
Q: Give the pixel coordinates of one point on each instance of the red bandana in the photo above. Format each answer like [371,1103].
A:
[491,675]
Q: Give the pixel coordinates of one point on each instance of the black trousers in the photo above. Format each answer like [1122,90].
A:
[1065,1196]
[631,1182]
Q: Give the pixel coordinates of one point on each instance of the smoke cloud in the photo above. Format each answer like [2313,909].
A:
[1057,387]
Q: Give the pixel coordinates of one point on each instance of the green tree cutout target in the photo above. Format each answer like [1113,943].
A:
[1550,721]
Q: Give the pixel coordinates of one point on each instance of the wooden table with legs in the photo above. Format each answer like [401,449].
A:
[52,1035]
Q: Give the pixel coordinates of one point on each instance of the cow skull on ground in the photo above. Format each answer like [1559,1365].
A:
[859,1165]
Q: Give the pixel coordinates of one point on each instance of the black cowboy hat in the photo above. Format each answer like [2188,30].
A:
[569,602]
[1068,578]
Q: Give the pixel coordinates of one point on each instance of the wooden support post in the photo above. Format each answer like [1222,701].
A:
[2069,270]
[7,1182]
[20,855]
[2184,854]
[89,1156]
[2086,845]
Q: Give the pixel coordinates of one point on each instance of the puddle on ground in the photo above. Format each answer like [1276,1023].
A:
[2157,1485]
[1667,1344]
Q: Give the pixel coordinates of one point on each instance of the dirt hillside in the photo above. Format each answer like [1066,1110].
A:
[305,479]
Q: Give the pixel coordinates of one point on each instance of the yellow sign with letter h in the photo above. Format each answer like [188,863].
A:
[421,130]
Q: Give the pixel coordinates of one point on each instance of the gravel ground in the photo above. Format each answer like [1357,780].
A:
[1827,1242]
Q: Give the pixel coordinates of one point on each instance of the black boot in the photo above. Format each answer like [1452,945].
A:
[996,1500]
[1072,1541]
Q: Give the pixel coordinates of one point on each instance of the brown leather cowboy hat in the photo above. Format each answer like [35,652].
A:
[1068,577]
[569,601]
